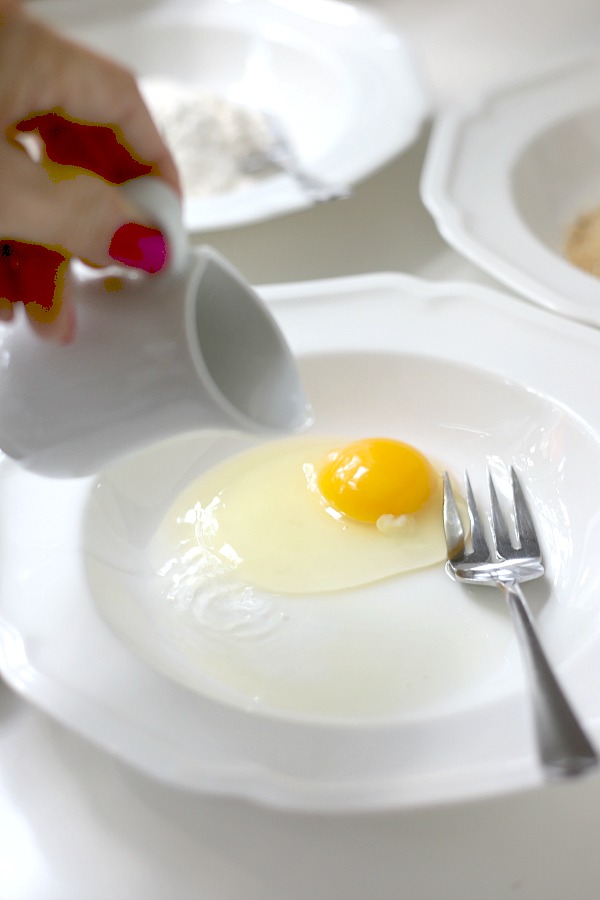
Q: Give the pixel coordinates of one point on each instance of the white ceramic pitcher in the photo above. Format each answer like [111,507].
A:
[193,347]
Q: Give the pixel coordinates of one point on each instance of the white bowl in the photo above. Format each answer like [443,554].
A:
[507,174]
[342,80]
[466,374]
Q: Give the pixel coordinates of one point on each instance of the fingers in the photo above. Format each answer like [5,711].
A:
[36,276]
[90,116]
[28,273]
[6,310]
[93,147]
[53,220]
[59,323]
[110,96]
[76,214]
[67,78]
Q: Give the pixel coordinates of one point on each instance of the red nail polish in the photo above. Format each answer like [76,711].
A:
[89,146]
[140,247]
[28,272]
[39,274]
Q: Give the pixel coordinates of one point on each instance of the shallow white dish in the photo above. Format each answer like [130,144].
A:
[460,371]
[342,81]
[508,173]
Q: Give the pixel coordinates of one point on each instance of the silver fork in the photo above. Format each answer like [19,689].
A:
[564,748]
[281,154]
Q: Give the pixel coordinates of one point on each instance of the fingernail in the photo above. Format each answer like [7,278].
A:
[140,247]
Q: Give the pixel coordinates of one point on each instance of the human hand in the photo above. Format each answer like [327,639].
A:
[95,133]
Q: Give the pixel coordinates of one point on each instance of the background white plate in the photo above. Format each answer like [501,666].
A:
[463,372]
[342,81]
[507,174]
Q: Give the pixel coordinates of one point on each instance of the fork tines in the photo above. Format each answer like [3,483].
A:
[478,540]
[524,527]
[563,746]
[504,547]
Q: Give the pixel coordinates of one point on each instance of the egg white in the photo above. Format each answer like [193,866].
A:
[260,515]
[256,627]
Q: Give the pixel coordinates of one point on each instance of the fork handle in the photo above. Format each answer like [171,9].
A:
[565,750]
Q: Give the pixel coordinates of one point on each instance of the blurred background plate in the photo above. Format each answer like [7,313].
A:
[83,638]
[342,81]
[508,174]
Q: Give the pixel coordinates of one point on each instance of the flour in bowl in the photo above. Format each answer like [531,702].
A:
[210,137]
[582,246]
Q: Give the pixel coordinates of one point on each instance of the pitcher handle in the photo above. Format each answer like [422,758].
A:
[163,204]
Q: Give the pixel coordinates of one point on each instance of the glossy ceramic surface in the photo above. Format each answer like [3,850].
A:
[380,354]
[343,82]
[507,174]
[193,346]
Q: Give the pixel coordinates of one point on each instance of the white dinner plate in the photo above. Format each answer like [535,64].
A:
[404,693]
[343,83]
[508,173]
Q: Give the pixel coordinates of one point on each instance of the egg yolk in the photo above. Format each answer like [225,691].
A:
[375,477]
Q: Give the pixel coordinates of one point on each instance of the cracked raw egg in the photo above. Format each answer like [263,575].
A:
[309,515]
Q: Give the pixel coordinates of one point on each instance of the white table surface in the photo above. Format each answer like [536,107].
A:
[76,824]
